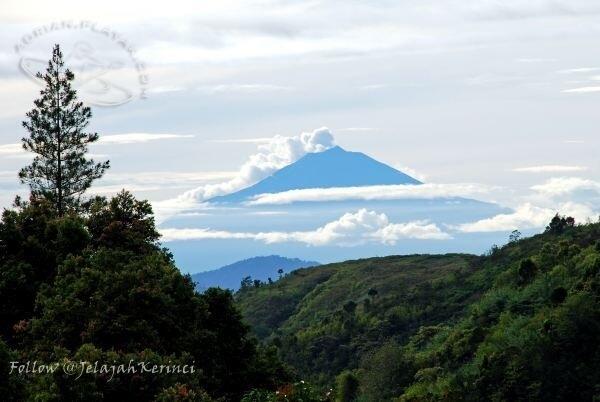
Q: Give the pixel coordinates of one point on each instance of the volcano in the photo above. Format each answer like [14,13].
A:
[334,167]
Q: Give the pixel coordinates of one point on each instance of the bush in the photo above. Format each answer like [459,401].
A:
[386,372]
[346,387]
[527,271]
[297,392]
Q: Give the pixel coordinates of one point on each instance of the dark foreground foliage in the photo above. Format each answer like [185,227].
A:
[98,287]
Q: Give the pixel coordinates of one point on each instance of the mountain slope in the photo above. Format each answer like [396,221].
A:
[505,326]
[258,268]
[315,311]
[335,167]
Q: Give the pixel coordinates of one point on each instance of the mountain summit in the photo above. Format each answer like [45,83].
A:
[334,167]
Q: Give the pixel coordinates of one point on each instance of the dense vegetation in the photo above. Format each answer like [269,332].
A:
[85,284]
[97,287]
[521,323]
[325,318]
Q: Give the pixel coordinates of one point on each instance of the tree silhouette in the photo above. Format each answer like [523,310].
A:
[514,236]
[527,270]
[558,224]
[60,171]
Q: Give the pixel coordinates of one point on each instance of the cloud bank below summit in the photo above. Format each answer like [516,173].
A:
[351,229]
[567,196]
[369,193]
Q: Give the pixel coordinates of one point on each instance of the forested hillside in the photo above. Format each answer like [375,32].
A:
[520,323]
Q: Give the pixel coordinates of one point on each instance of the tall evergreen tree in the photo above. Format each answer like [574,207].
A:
[60,171]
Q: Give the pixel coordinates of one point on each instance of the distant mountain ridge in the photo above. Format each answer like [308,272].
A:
[261,268]
[334,167]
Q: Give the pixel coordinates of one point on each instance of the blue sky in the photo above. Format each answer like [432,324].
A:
[500,95]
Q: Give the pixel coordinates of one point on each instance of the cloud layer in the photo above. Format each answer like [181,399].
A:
[524,217]
[550,169]
[352,228]
[568,186]
[12,150]
[368,193]
[135,138]
[572,196]
[16,149]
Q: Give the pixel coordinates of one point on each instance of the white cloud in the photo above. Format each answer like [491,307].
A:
[411,172]
[582,90]
[582,212]
[372,87]
[355,228]
[528,216]
[572,196]
[162,89]
[112,183]
[585,86]
[169,235]
[381,192]
[96,156]
[244,88]
[268,213]
[239,45]
[166,177]
[259,140]
[536,60]
[351,228]
[12,150]
[524,217]
[16,149]
[116,188]
[579,70]
[356,129]
[16,95]
[550,169]
[233,30]
[280,151]
[412,230]
[133,138]
[561,186]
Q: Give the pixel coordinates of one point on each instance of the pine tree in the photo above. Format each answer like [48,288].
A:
[60,171]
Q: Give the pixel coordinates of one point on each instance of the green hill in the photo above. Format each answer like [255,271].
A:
[324,317]
[520,323]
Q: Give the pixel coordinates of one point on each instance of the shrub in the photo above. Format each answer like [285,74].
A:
[527,271]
